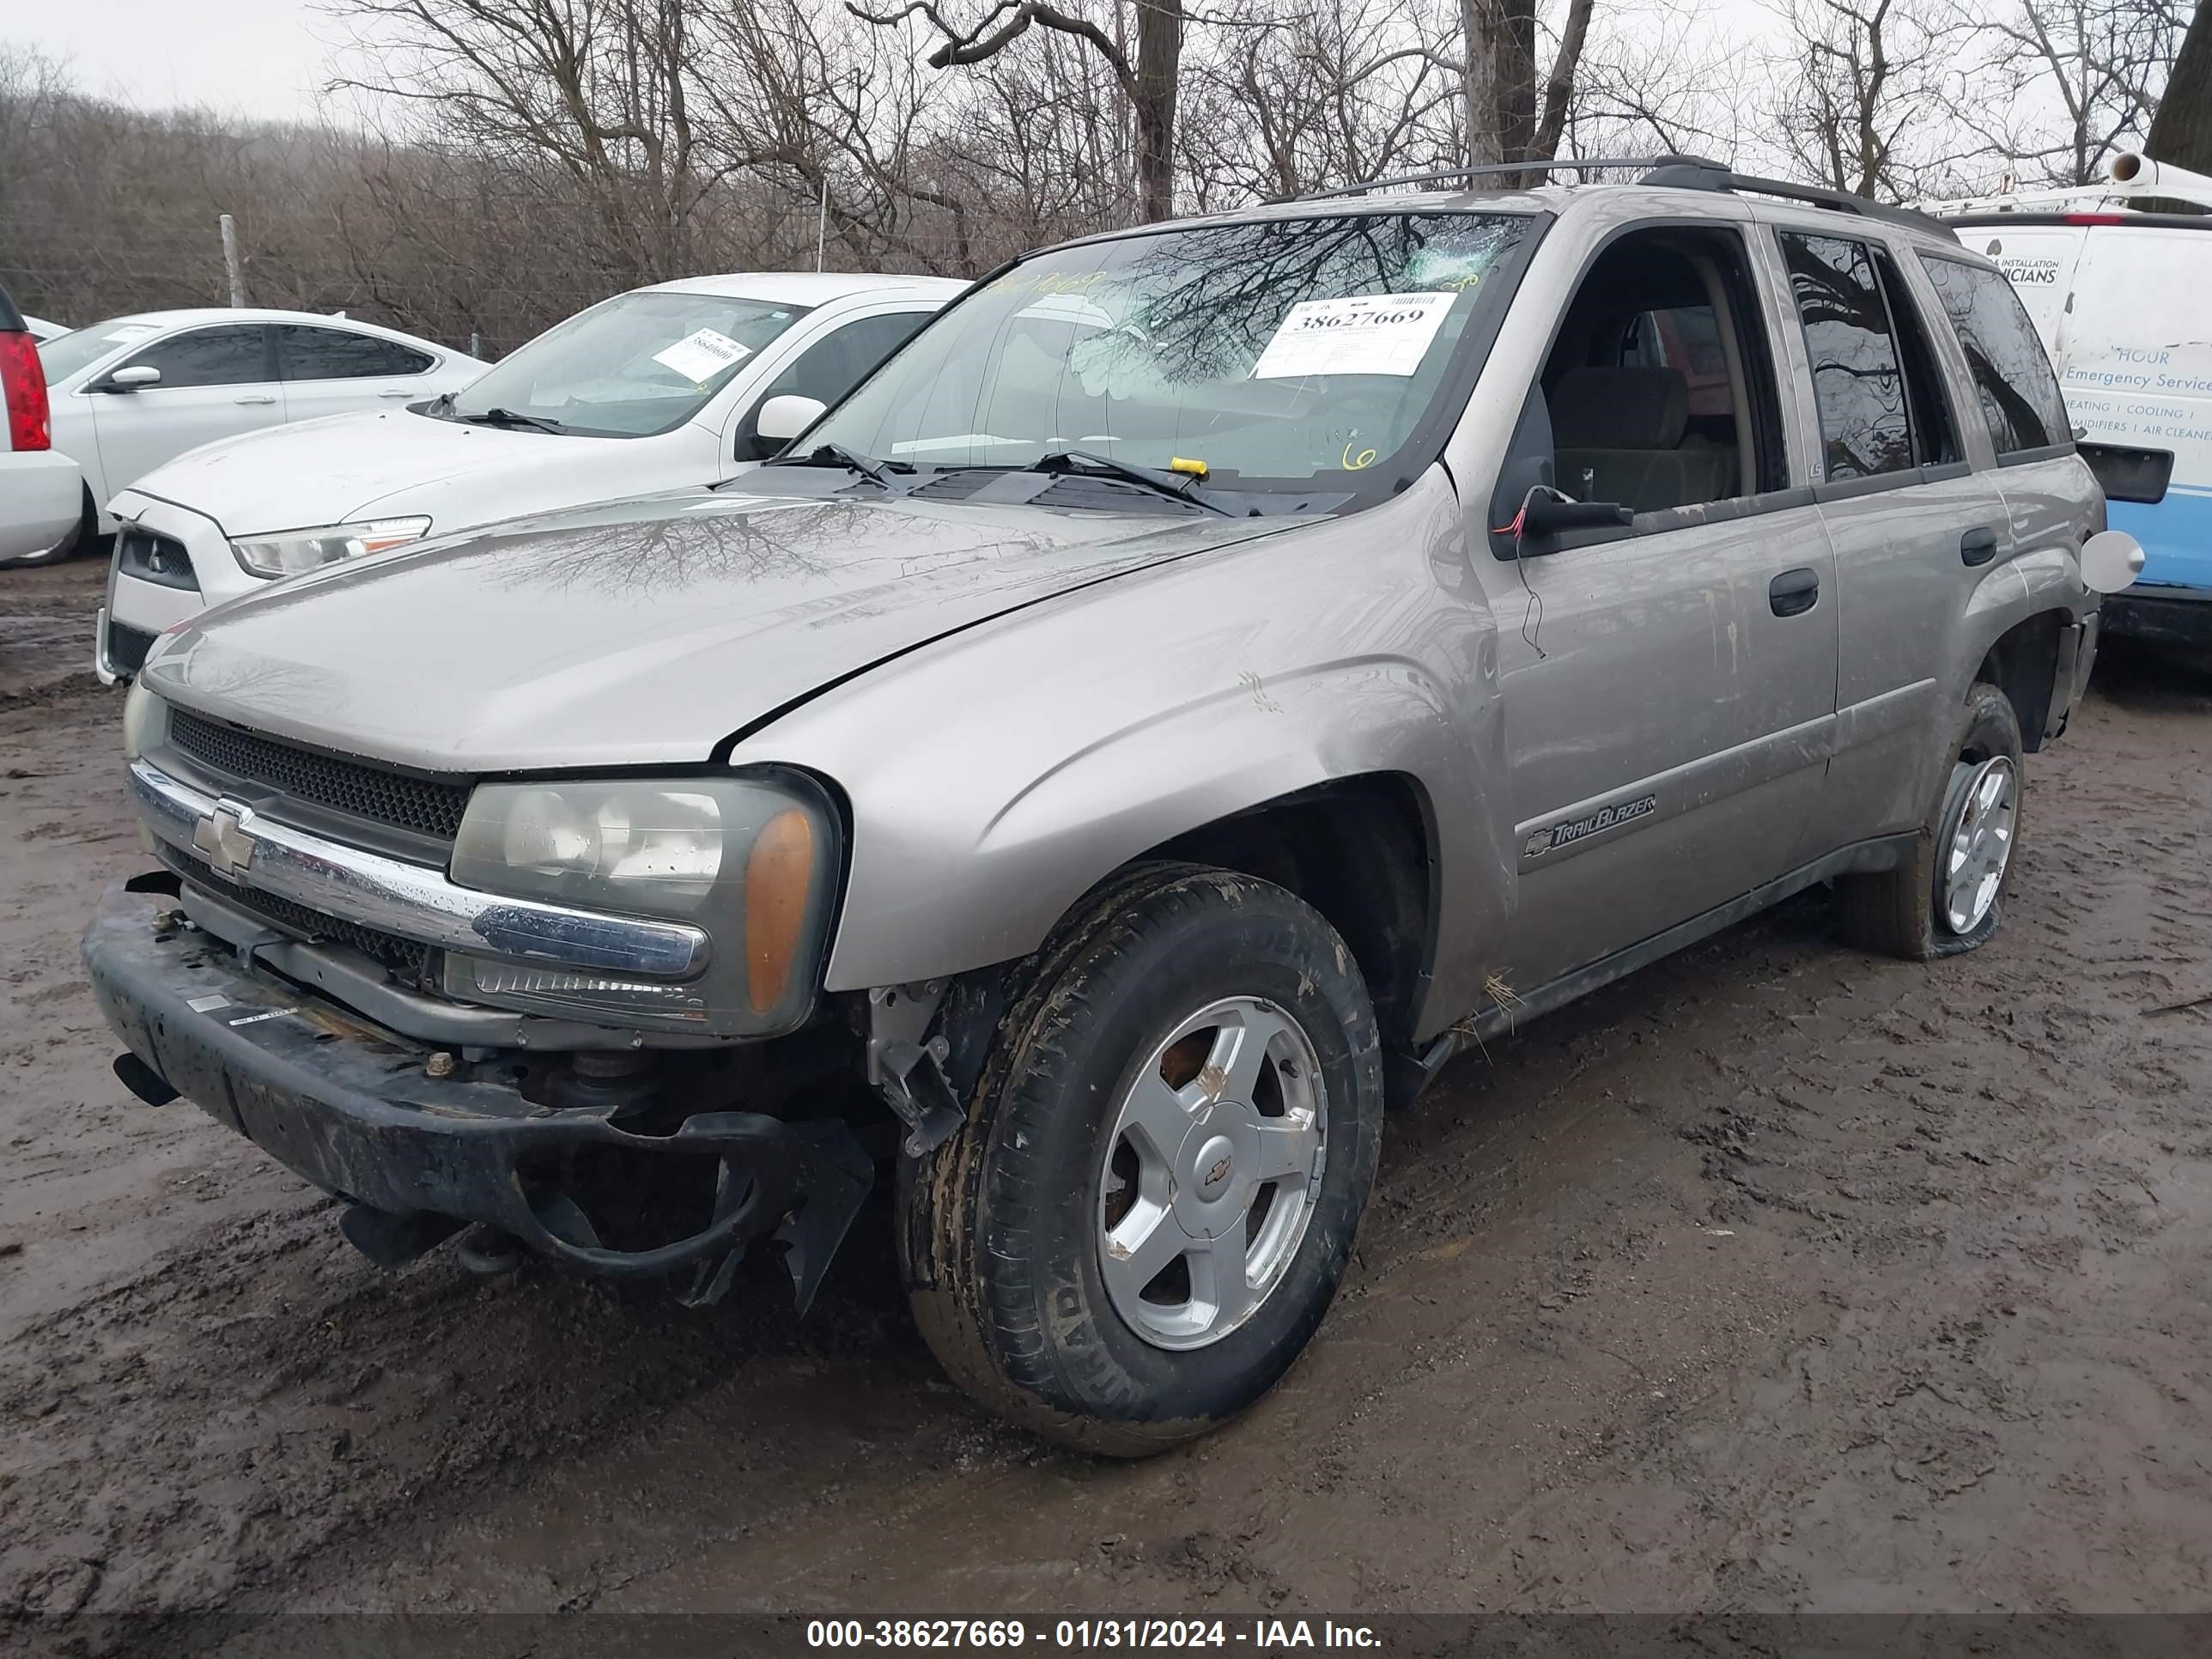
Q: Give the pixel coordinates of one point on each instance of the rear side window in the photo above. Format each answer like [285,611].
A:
[209,357]
[339,354]
[1856,377]
[2013,381]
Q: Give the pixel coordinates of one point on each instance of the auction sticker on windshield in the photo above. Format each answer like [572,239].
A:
[701,354]
[1366,334]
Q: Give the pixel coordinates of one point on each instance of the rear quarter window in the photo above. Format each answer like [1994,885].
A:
[2013,382]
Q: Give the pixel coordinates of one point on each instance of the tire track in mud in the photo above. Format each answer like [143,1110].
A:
[1774,1276]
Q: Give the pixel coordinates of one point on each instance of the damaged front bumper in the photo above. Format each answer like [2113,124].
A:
[350,1107]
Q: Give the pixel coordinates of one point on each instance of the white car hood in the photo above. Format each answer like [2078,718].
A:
[333,469]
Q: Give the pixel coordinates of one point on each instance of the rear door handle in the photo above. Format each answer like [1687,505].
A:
[396,391]
[254,397]
[1794,591]
[1978,546]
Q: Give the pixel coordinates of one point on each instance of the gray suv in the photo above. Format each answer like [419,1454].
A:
[1211,675]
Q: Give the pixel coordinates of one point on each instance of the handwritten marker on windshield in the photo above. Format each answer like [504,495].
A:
[1194,469]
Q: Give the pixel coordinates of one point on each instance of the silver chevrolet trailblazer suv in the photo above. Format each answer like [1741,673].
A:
[1213,674]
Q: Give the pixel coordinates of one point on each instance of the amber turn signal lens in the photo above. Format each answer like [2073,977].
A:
[779,875]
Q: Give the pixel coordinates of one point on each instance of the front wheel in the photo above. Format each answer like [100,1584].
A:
[1950,895]
[1156,1192]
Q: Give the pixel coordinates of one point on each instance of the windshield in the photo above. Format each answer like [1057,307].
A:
[1276,352]
[630,366]
[66,354]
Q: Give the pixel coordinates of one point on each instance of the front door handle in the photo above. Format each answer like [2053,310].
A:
[254,397]
[1794,591]
[1978,546]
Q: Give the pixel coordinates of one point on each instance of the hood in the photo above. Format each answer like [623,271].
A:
[327,472]
[640,633]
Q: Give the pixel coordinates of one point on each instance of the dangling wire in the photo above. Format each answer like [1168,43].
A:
[1532,620]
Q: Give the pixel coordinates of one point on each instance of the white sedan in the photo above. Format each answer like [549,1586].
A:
[131,393]
[684,384]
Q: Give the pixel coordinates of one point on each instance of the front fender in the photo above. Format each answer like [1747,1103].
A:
[995,777]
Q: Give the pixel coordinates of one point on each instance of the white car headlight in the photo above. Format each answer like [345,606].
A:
[289,552]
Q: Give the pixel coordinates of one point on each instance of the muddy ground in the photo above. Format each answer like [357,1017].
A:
[1776,1277]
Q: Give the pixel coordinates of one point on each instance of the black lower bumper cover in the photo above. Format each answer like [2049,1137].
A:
[348,1107]
[2144,615]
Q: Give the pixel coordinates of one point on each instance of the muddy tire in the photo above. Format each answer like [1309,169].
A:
[1164,1166]
[1950,895]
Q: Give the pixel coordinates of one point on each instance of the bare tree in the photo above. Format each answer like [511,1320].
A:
[2181,130]
[1149,73]
[2054,86]
[600,89]
[1856,84]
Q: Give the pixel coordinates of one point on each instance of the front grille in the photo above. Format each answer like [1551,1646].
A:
[159,559]
[407,960]
[127,646]
[422,806]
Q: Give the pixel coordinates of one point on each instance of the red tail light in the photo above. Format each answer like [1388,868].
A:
[23,385]
[2095,218]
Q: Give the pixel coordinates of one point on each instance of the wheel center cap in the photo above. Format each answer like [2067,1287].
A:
[1215,1162]
[1212,1188]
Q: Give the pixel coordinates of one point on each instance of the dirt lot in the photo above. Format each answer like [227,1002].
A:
[1775,1278]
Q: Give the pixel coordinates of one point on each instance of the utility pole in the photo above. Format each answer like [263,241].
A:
[230,261]
[821,224]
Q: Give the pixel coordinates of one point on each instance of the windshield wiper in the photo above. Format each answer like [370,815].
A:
[511,418]
[1175,485]
[440,404]
[877,472]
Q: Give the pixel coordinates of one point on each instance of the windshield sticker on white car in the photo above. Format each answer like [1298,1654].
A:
[701,356]
[1368,334]
[130,331]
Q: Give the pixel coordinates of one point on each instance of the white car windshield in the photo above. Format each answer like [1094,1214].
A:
[66,354]
[1277,353]
[631,366]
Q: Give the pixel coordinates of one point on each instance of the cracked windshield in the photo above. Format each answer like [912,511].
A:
[1261,355]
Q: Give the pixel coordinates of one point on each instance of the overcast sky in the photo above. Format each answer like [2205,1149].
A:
[256,57]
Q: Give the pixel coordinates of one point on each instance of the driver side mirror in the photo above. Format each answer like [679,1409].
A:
[1546,517]
[130,378]
[783,418]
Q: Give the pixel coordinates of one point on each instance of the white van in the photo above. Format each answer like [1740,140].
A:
[2120,296]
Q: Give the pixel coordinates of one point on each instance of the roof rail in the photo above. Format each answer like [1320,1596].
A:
[1678,172]
[1689,173]
[1499,170]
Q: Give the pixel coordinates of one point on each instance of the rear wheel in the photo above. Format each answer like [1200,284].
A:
[81,536]
[1950,895]
[1155,1195]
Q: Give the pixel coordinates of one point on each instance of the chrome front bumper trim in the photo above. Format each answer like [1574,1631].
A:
[410,900]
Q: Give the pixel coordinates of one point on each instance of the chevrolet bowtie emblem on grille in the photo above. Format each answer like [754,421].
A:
[222,839]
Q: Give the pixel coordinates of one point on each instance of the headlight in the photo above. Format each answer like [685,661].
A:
[753,860]
[289,552]
[145,717]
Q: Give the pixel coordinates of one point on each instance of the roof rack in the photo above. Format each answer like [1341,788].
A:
[1677,172]
[1499,170]
[1693,173]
